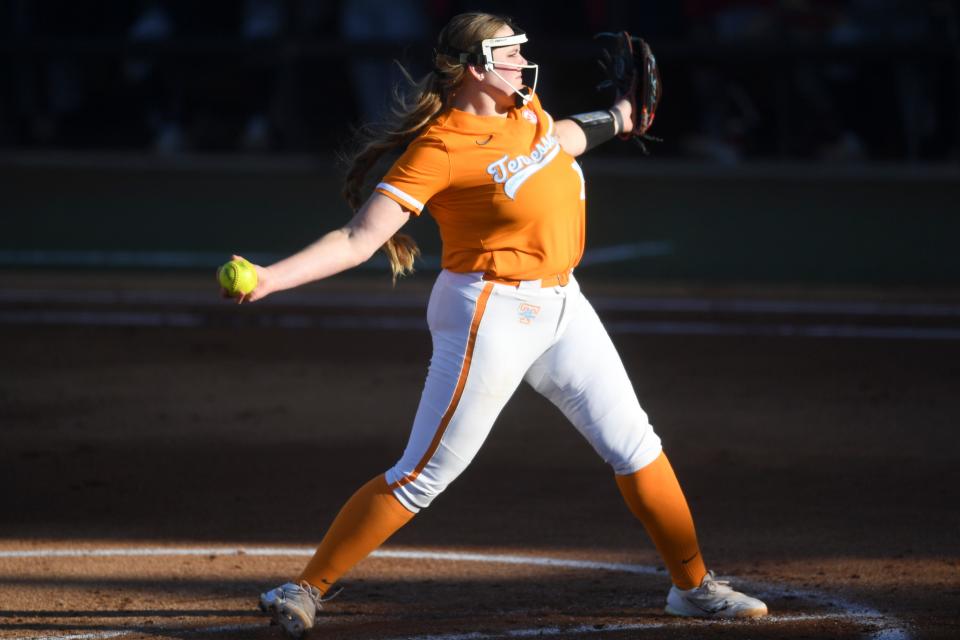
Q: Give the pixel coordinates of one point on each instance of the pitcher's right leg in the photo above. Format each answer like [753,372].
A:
[482,346]
[439,447]
[365,522]
[478,361]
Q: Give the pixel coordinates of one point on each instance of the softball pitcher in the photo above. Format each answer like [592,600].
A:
[499,175]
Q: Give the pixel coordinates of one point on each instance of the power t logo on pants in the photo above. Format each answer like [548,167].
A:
[528,312]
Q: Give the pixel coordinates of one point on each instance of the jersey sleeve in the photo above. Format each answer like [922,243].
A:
[420,173]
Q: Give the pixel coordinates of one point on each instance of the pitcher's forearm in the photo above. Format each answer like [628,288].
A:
[331,254]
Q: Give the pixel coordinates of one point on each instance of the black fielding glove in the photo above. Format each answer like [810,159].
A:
[631,70]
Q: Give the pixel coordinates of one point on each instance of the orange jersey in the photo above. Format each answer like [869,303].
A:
[508,200]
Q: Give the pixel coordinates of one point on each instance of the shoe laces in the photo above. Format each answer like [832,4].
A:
[712,585]
[315,595]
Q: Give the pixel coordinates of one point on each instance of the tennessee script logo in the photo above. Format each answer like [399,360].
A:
[528,312]
[512,173]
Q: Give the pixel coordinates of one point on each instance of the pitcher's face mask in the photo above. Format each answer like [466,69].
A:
[485,60]
[487,46]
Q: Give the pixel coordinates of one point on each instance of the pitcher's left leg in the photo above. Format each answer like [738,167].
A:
[596,395]
[582,374]
[654,496]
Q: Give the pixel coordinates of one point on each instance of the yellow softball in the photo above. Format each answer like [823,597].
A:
[237,276]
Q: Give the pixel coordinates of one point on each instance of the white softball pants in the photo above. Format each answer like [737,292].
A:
[487,337]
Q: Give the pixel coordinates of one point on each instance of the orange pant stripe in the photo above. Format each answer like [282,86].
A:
[458,390]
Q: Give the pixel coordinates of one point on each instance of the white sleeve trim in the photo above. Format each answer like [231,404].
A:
[403,196]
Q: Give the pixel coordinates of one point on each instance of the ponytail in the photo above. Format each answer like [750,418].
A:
[411,113]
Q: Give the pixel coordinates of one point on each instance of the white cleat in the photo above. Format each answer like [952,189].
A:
[293,606]
[713,599]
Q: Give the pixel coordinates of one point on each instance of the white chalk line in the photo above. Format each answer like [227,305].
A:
[563,563]
[474,635]
[887,628]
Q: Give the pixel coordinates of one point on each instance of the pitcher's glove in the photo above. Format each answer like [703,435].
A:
[631,70]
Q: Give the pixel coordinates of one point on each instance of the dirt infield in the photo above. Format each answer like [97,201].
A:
[822,472]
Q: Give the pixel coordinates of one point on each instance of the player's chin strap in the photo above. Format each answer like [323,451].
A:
[485,59]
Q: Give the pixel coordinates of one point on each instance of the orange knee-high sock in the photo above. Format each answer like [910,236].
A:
[369,517]
[655,498]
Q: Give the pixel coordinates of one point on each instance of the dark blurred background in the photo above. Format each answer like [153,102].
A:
[98,95]
[820,80]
